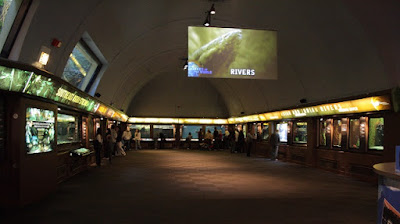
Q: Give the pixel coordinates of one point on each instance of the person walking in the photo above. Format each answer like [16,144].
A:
[119,149]
[98,143]
[137,139]
[127,136]
[274,141]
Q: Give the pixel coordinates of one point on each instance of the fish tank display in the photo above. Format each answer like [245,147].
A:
[283,130]
[67,129]
[143,128]
[193,129]
[354,134]
[232,53]
[265,131]
[300,132]
[323,127]
[337,133]
[375,140]
[39,130]
[167,130]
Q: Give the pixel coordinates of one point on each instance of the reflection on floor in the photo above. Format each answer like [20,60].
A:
[172,186]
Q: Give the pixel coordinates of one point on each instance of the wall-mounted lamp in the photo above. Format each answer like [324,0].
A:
[44,56]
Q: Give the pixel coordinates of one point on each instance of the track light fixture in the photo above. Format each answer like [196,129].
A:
[185,66]
[212,10]
[207,22]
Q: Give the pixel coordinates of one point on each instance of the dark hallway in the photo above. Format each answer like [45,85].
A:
[166,186]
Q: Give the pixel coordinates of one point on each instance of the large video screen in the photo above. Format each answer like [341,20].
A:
[39,130]
[232,53]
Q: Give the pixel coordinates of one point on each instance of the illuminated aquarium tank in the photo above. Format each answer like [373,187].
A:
[375,140]
[39,130]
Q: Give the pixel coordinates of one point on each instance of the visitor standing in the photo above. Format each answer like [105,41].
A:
[137,139]
[274,141]
[127,136]
[98,143]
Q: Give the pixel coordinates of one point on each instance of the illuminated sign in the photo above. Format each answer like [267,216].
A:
[72,97]
[148,120]
[49,87]
[376,103]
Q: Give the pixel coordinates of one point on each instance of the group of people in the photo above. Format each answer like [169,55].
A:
[115,142]
[233,140]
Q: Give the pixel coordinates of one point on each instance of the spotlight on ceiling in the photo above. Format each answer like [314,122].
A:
[212,10]
[207,21]
[185,66]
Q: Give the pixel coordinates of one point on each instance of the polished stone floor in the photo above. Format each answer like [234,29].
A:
[182,186]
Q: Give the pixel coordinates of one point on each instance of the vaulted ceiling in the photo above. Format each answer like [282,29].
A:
[326,50]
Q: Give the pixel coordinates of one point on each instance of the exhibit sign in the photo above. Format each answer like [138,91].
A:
[232,53]
[376,103]
[27,82]
[369,104]
[154,120]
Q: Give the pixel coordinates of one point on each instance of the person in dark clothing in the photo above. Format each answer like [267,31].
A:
[189,141]
[251,138]
[274,141]
[98,143]
[241,141]
[200,134]
[216,143]
[109,145]
[231,140]
[162,140]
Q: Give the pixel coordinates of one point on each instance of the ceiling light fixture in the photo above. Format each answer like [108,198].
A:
[185,66]
[212,10]
[208,20]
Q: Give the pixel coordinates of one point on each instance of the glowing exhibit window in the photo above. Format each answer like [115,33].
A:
[39,130]
[337,133]
[283,130]
[167,130]
[300,132]
[192,129]
[375,134]
[354,134]
[143,129]
[81,67]
[67,129]
[323,125]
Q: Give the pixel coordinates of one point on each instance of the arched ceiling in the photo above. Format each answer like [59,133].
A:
[326,50]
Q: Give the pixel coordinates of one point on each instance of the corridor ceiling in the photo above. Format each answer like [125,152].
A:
[326,50]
